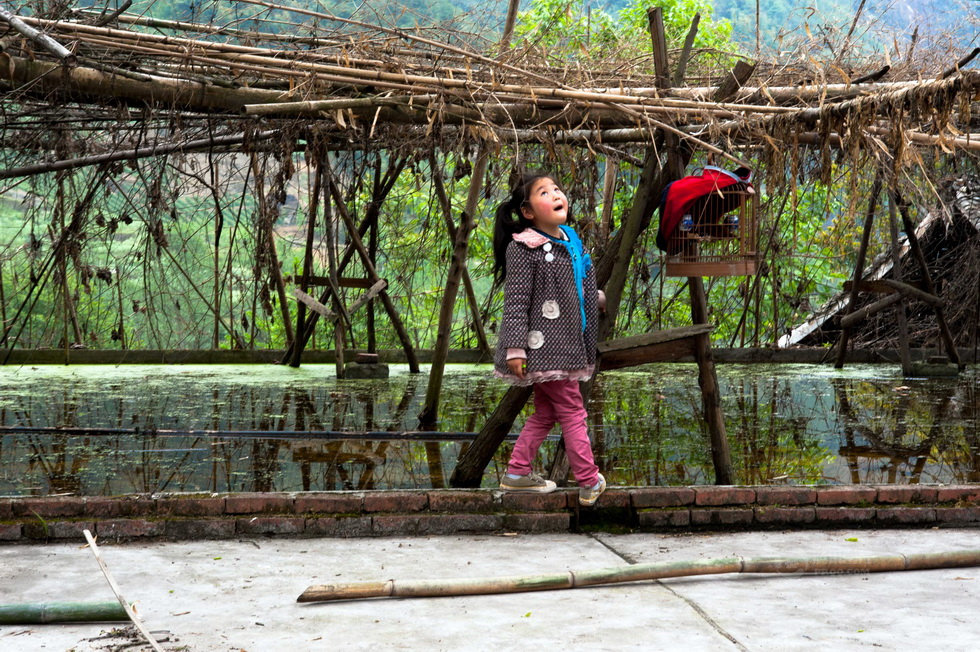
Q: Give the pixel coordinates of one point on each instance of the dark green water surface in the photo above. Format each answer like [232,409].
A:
[193,428]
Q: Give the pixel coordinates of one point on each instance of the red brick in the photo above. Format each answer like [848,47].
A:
[57,529]
[259,503]
[785,496]
[271,525]
[349,526]
[907,494]
[11,531]
[905,515]
[50,506]
[785,515]
[727,517]
[101,507]
[534,523]
[460,501]
[6,508]
[453,523]
[711,496]
[130,528]
[958,514]
[846,495]
[662,497]
[187,506]
[532,502]
[328,503]
[845,515]
[193,528]
[388,525]
[966,493]
[141,505]
[664,518]
[610,499]
[395,501]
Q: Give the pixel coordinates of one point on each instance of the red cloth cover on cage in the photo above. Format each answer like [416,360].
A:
[706,197]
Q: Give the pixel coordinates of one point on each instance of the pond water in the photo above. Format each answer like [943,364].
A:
[147,428]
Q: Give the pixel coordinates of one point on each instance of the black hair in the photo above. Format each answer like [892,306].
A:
[510,220]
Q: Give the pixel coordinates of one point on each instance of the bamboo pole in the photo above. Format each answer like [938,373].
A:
[61,612]
[636,573]
[42,39]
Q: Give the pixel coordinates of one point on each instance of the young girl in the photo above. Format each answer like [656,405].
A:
[548,331]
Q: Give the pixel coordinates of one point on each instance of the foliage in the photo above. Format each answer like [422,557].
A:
[574,29]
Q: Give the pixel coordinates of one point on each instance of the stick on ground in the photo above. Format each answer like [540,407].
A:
[115,589]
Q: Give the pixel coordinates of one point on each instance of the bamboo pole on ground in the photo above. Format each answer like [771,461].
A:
[637,573]
[61,612]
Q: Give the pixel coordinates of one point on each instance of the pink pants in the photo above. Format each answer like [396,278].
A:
[557,401]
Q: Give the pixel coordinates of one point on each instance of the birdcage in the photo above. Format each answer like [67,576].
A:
[717,237]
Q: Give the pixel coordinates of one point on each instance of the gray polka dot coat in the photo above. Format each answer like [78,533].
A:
[542,314]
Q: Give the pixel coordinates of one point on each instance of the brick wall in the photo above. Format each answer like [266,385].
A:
[425,512]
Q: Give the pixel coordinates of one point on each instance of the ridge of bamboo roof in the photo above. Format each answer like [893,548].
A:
[351,80]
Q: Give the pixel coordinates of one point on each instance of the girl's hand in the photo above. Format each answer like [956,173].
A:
[516,366]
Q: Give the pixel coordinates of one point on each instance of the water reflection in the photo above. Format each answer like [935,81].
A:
[150,429]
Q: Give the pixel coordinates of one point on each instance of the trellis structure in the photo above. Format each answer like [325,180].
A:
[95,106]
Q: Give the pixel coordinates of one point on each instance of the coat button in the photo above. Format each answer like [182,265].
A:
[547,246]
[549,257]
[535,339]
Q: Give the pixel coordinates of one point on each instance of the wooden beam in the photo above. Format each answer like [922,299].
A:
[913,292]
[314,305]
[852,319]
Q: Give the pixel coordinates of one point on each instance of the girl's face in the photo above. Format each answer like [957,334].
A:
[546,206]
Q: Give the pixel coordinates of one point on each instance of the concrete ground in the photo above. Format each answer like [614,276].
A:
[241,595]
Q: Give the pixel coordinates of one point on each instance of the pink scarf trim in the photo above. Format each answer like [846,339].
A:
[531,238]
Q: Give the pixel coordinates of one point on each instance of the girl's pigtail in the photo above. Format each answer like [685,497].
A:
[505,226]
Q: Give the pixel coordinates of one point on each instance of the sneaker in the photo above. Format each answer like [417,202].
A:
[529,482]
[588,495]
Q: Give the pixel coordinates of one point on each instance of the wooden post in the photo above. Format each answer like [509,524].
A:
[859,267]
[509,23]
[472,463]
[373,276]
[430,410]
[708,381]
[447,213]
[298,345]
[357,247]
[686,51]
[267,227]
[930,287]
[656,17]
[903,326]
